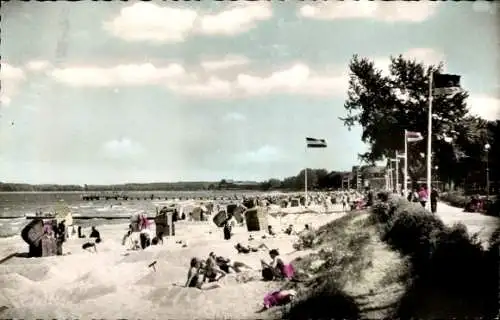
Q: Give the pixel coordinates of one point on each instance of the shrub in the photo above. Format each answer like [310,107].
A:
[453,276]
[327,301]
[493,209]
[456,199]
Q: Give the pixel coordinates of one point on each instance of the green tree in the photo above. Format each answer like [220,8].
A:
[385,105]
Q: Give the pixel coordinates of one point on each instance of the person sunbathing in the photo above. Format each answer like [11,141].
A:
[249,248]
[276,269]
[227,265]
[212,270]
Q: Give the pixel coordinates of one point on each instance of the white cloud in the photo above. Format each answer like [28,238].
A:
[11,78]
[234,116]
[383,11]
[149,22]
[121,148]
[235,20]
[264,154]
[37,65]
[426,55]
[224,63]
[484,106]
[162,24]
[120,75]
[298,79]
[213,87]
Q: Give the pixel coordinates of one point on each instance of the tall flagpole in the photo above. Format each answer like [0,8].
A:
[305,184]
[405,188]
[397,173]
[429,139]
[305,179]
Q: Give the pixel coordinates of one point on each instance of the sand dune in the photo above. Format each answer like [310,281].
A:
[116,283]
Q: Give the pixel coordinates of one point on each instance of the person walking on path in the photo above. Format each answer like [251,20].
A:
[423,196]
[434,200]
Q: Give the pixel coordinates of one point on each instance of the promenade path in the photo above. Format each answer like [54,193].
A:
[475,222]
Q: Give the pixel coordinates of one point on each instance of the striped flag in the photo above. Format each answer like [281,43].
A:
[315,143]
[446,84]
[412,136]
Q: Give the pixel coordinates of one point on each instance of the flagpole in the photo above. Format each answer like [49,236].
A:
[305,180]
[397,173]
[429,139]
[405,188]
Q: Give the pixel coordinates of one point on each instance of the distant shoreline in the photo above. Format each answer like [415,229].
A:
[143,191]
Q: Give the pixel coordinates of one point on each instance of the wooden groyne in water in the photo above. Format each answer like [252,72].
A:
[74,217]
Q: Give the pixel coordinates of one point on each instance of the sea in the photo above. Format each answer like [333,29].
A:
[15,205]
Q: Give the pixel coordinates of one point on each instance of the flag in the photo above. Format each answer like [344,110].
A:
[412,136]
[315,143]
[446,84]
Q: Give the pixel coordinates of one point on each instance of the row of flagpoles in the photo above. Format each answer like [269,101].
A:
[439,84]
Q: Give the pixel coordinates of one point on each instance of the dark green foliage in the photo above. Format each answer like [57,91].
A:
[385,105]
[327,301]
[456,199]
[453,276]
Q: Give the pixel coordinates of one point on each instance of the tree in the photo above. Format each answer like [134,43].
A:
[385,105]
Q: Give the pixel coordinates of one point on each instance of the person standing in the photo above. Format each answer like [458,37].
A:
[434,200]
[423,196]
[227,231]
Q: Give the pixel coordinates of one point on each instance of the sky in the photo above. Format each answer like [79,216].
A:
[116,92]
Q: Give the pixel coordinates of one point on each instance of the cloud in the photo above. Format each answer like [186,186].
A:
[161,24]
[235,20]
[264,154]
[381,11]
[224,63]
[11,77]
[121,148]
[234,116]
[37,65]
[484,106]
[149,22]
[426,55]
[297,79]
[120,75]
[212,87]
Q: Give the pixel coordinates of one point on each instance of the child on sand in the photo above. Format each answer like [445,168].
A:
[193,277]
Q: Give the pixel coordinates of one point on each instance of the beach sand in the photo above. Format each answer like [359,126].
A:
[116,283]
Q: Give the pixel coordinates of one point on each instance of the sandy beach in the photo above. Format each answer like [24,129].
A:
[117,283]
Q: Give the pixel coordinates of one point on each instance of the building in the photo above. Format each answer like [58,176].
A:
[363,177]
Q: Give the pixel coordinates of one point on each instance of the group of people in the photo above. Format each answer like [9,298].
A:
[422,195]
[211,270]
[214,268]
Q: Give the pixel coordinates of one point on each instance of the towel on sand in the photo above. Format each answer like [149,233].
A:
[278,298]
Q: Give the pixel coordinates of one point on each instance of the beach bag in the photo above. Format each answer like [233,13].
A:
[221,218]
[33,232]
